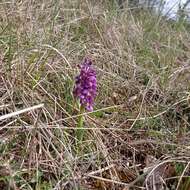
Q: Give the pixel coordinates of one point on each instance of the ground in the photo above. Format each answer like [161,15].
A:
[137,137]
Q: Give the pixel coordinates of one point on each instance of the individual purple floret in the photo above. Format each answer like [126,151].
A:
[85,85]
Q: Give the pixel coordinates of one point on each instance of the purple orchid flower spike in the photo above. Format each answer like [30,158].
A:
[86,85]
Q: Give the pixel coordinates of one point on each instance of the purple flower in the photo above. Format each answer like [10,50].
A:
[85,85]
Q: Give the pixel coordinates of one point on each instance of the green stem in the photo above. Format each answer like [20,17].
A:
[80,131]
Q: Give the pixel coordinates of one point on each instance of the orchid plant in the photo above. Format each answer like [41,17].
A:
[85,90]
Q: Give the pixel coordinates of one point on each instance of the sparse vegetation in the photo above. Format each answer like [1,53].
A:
[137,137]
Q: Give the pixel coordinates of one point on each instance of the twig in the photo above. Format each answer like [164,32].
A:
[13,114]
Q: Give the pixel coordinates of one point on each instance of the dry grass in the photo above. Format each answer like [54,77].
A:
[138,135]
